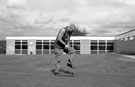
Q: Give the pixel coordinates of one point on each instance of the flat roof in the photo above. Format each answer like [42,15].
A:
[126,32]
[53,38]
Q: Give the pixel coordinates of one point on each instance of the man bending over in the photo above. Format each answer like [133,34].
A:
[62,45]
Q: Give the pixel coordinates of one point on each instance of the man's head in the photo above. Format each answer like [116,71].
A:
[72,27]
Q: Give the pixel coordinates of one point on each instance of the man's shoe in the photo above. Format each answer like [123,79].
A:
[56,71]
[70,65]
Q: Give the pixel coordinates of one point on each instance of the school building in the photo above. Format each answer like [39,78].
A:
[45,45]
[125,42]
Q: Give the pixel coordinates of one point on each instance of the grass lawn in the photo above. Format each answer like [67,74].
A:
[103,70]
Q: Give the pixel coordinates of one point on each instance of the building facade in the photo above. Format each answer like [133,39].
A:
[45,45]
[125,42]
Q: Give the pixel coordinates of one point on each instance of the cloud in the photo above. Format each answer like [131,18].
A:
[16,21]
[130,2]
[45,17]
[15,3]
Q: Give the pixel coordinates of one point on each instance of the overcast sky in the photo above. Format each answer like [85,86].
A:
[46,17]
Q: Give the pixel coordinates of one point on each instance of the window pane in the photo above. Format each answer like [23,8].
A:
[110,42]
[52,42]
[24,46]
[93,47]
[101,51]
[46,52]
[93,52]
[24,51]
[46,47]
[93,41]
[77,52]
[52,52]
[76,42]
[101,42]
[38,51]
[110,48]
[17,51]
[46,42]
[70,43]
[17,42]
[38,46]
[17,46]
[77,47]
[52,47]
[101,47]
[38,42]
[24,42]
[93,44]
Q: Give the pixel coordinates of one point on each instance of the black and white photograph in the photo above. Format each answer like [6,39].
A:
[67,43]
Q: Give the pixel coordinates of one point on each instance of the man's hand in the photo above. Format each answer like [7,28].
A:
[66,46]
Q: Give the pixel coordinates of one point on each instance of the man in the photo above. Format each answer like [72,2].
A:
[62,45]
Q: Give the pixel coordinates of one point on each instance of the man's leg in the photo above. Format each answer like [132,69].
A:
[58,54]
[71,53]
[58,61]
[70,57]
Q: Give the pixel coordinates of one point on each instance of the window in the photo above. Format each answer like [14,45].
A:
[21,47]
[46,47]
[77,46]
[131,38]
[94,47]
[102,46]
[126,39]
[122,38]
[52,47]
[71,43]
[17,46]
[24,46]
[39,47]
[110,46]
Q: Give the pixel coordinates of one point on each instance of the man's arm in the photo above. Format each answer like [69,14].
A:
[61,34]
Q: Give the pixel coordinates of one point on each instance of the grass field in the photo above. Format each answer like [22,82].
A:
[103,70]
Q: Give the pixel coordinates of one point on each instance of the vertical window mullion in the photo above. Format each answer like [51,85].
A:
[42,47]
[97,46]
[49,46]
[105,46]
[21,47]
[90,46]
[14,47]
